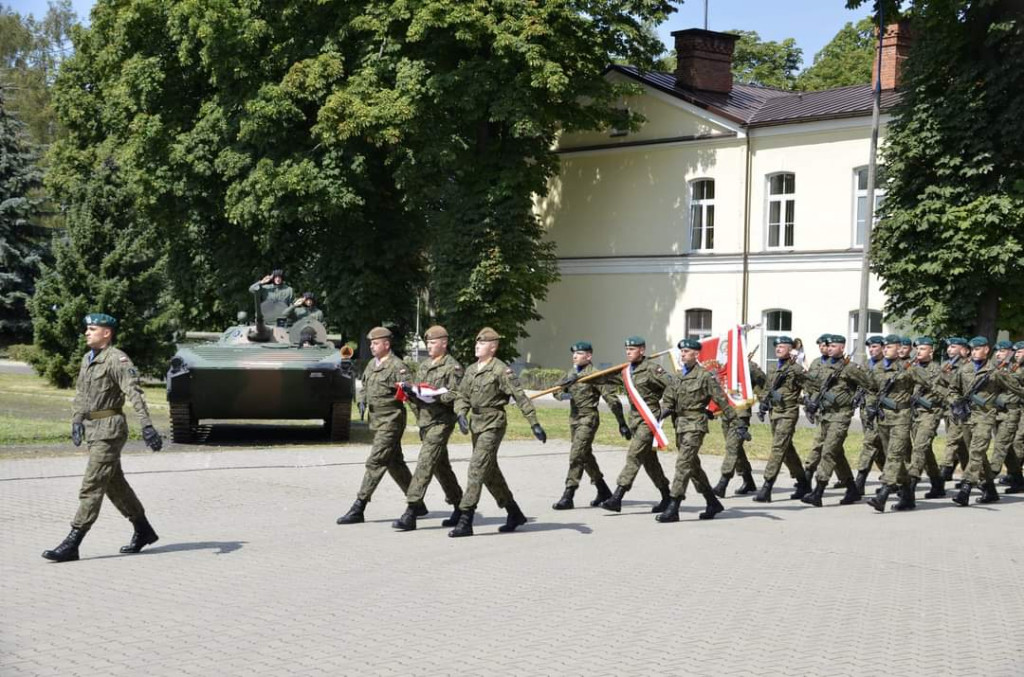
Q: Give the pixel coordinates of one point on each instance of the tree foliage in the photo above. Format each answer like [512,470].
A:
[845,60]
[950,246]
[21,243]
[375,150]
[765,62]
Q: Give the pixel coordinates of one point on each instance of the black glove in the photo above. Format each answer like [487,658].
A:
[152,438]
[960,411]
[743,432]
[463,424]
[423,433]
[77,433]
[409,392]
[710,414]
[539,433]
[362,410]
[625,431]
[568,381]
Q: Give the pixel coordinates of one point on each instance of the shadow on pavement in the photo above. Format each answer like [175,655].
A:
[220,547]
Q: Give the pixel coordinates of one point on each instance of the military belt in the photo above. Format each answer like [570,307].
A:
[486,410]
[102,413]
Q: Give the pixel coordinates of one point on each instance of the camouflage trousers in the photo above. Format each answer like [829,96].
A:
[872,451]
[814,457]
[897,446]
[642,454]
[688,467]
[922,457]
[433,462]
[980,431]
[1007,429]
[735,460]
[833,455]
[956,444]
[484,471]
[581,453]
[385,457]
[783,450]
[104,477]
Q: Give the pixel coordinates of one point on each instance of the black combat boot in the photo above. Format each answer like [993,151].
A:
[748,486]
[764,494]
[908,497]
[714,506]
[1016,484]
[419,508]
[988,493]
[565,502]
[1003,480]
[722,485]
[852,495]
[671,512]
[67,551]
[947,473]
[354,514]
[454,519]
[803,487]
[465,525]
[603,493]
[861,480]
[814,497]
[841,484]
[878,500]
[407,522]
[963,497]
[938,489]
[663,503]
[143,536]
[614,502]
[515,518]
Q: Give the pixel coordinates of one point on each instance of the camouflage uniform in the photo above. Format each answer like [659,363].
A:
[784,383]
[104,381]
[735,459]
[955,450]
[436,420]
[1008,406]
[928,405]
[584,421]
[872,450]
[834,419]
[387,421]
[816,374]
[485,391]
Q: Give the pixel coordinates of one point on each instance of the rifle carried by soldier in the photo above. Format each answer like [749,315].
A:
[772,398]
[883,402]
[812,405]
[960,410]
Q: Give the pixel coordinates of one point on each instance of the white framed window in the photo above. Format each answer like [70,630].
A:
[698,323]
[781,210]
[702,214]
[776,322]
[874,327]
[860,203]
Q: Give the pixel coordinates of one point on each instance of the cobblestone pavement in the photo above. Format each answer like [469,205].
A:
[252,576]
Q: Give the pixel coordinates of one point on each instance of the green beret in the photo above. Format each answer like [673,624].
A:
[824,338]
[978,342]
[783,339]
[891,339]
[876,341]
[100,320]
[905,341]
[688,343]
[488,334]
[837,338]
[1004,345]
[924,341]
[956,341]
[1019,345]
[379,333]
[636,342]
[581,346]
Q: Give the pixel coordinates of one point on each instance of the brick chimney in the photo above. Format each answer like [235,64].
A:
[704,59]
[895,48]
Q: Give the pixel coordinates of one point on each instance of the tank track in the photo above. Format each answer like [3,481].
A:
[183,425]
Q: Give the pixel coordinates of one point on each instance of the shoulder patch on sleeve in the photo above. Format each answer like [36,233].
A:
[659,370]
[509,371]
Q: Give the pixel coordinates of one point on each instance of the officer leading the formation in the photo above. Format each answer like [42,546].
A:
[107,376]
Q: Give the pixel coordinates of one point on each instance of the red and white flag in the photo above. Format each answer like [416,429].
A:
[424,391]
[726,357]
[660,440]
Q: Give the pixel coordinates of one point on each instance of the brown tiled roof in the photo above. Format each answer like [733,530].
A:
[755,106]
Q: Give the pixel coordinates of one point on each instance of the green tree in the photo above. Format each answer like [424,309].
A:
[950,245]
[766,63]
[21,243]
[845,60]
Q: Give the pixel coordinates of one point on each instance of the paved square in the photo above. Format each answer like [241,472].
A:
[252,576]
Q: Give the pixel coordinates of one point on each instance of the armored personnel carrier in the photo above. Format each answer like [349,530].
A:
[267,370]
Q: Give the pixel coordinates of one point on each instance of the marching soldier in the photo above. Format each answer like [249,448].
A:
[928,404]
[815,376]
[650,381]
[906,348]
[686,399]
[839,380]
[273,288]
[435,416]
[583,423]
[957,352]
[735,459]
[1008,406]
[871,449]
[784,383]
[387,421]
[484,391]
[106,377]
[1018,439]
